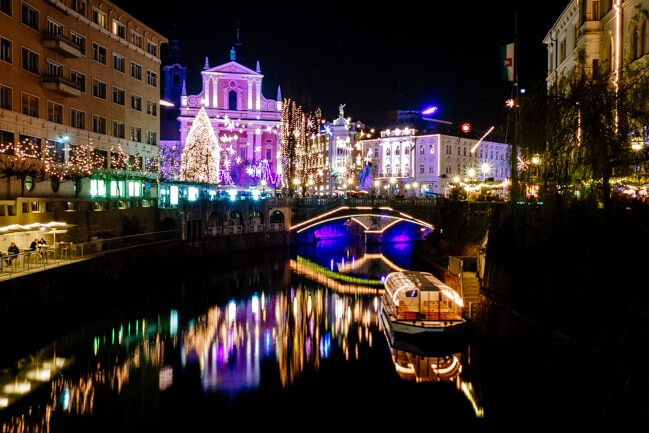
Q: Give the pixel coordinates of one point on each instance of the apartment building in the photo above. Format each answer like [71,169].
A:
[79,111]
[595,36]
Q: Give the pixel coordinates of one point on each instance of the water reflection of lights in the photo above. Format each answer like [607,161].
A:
[341,283]
[414,364]
[228,344]
[31,373]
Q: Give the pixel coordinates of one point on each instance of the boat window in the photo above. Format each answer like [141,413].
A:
[411,293]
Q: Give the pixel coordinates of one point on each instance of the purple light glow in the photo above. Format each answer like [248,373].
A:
[429,111]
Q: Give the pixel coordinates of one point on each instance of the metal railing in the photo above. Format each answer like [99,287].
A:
[64,253]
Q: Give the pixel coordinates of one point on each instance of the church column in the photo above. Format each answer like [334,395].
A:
[215,93]
[256,145]
[250,83]
[258,95]
[206,91]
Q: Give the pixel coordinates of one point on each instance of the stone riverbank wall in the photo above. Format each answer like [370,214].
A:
[565,295]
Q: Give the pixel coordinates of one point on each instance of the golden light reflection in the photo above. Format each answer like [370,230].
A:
[299,328]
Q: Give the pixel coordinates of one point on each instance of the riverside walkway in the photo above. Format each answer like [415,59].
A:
[65,253]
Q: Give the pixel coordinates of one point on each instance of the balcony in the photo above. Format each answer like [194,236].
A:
[61,85]
[61,44]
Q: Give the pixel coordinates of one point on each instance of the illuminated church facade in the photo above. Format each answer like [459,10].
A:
[246,123]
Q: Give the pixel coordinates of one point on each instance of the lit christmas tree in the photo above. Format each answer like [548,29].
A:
[200,160]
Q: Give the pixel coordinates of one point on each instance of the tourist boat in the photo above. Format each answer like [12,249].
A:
[417,306]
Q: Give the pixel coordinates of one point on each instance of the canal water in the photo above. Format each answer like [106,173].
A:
[287,339]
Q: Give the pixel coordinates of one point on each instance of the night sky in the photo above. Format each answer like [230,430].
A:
[374,58]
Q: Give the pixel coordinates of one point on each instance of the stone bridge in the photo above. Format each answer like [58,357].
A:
[361,219]
[460,220]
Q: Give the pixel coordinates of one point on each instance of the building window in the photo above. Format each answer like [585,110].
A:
[79,6]
[421,169]
[152,48]
[54,112]
[595,9]
[5,50]
[54,69]
[151,78]
[6,141]
[119,129]
[136,103]
[80,40]
[119,63]
[30,146]
[54,27]
[136,39]
[98,53]
[98,89]
[77,119]
[79,79]
[135,161]
[29,17]
[151,108]
[151,137]
[421,149]
[99,18]
[56,150]
[136,71]
[30,61]
[6,95]
[119,29]
[119,96]
[99,124]
[100,158]
[5,6]
[29,104]
[136,133]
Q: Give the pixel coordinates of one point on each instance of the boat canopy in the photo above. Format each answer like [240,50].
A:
[413,284]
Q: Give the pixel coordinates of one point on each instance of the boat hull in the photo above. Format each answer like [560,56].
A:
[423,335]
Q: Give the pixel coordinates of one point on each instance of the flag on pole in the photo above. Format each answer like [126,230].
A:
[507,62]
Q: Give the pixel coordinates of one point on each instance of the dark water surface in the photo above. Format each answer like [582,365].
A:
[273,339]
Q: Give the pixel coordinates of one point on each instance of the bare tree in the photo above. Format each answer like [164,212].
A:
[592,123]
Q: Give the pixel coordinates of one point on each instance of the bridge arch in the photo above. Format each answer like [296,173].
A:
[371,222]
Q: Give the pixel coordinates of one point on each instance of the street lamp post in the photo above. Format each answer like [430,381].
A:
[393,181]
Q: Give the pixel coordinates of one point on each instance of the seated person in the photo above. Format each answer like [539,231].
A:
[32,246]
[12,253]
[41,245]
